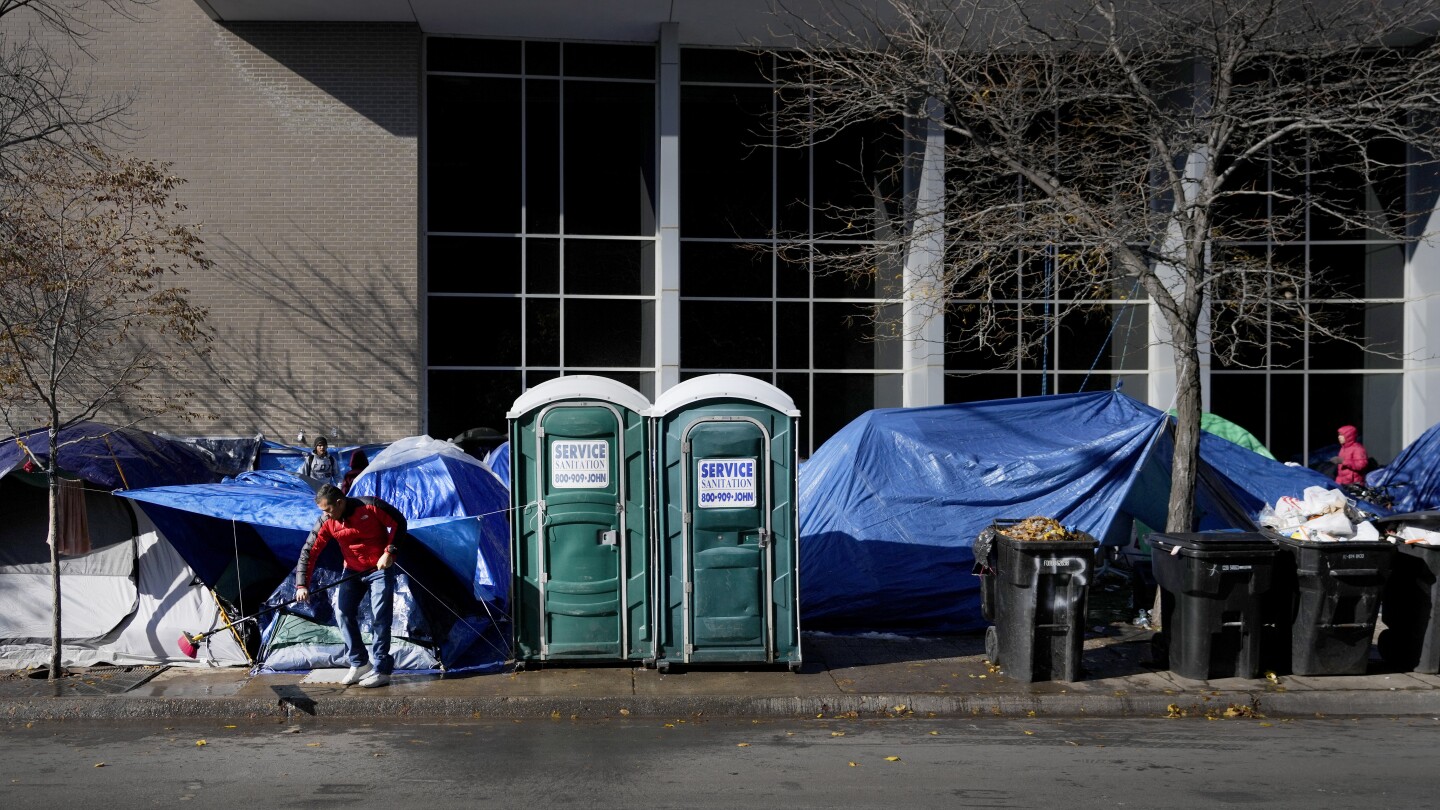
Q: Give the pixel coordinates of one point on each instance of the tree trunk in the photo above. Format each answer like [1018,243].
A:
[1184,464]
[52,475]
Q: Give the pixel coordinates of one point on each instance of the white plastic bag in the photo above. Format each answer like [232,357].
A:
[1334,524]
[1367,532]
[1321,501]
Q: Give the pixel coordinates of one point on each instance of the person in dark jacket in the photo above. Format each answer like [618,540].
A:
[1352,461]
[367,530]
[321,464]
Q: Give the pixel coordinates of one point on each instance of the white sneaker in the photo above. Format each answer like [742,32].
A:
[375,679]
[355,674]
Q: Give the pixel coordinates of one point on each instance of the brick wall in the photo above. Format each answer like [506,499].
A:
[299,145]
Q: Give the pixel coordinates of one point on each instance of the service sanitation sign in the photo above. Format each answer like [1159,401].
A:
[579,464]
[726,483]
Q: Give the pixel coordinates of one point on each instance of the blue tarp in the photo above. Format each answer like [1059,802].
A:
[458,581]
[113,458]
[498,460]
[891,505]
[1412,480]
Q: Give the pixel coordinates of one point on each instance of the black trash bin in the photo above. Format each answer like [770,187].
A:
[1411,609]
[1035,593]
[1325,600]
[1211,601]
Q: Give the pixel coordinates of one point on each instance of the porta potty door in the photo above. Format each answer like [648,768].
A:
[579,553]
[725,526]
[727,495]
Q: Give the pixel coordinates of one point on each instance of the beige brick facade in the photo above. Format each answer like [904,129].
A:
[299,145]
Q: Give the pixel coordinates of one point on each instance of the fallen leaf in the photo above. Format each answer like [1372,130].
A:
[854,764]
[1266,725]
[669,725]
[934,734]
[312,745]
[200,742]
[1030,713]
[99,764]
[892,759]
[624,712]
[900,708]
[230,726]
[555,715]
[1029,733]
[742,745]
[837,734]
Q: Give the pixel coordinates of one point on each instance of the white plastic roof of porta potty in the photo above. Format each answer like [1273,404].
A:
[723,386]
[579,386]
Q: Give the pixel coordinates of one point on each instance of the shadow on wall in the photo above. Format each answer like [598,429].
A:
[316,342]
[365,66]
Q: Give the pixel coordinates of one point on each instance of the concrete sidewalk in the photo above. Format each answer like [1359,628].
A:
[864,675]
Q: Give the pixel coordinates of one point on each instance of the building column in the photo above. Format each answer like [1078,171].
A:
[924,272]
[1160,389]
[667,264]
[1420,407]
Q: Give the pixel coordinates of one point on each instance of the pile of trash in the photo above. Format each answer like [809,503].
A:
[1322,515]
[1413,536]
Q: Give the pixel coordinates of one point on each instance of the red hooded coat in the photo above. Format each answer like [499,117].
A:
[1353,458]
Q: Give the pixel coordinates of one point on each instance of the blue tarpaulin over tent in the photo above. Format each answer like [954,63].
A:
[113,458]
[1412,480]
[498,461]
[891,505]
[452,589]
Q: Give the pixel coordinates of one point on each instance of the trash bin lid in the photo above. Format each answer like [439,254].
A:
[1222,542]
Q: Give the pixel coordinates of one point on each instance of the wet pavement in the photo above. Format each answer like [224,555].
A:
[863,675]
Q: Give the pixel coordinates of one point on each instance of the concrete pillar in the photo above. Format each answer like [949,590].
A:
[923,287]
[667,264]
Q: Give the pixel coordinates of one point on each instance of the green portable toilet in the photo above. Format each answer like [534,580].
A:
[579,539]
[726,557]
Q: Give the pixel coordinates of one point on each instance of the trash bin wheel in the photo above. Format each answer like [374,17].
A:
[1399,652]
[794,666]
[992,645]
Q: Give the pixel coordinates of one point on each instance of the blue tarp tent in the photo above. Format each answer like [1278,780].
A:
[450,595]
[890,505]
[1412,480]
[113,458]
[126,593]
[498,461]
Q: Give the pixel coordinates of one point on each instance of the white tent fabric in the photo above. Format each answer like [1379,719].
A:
[115,619]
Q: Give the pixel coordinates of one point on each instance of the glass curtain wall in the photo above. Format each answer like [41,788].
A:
[756,211]
[1294,393]
[540,231]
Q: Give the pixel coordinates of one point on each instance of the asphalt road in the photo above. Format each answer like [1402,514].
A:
[693,763]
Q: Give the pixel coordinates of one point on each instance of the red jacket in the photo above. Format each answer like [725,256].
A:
[1353,458]
[364,531]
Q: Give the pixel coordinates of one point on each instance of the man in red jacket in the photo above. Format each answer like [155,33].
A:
[367,531]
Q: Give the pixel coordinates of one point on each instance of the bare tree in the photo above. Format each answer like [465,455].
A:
[42,100]
[1123,142]
[87,313]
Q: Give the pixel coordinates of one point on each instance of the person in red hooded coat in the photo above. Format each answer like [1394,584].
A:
[1352,461]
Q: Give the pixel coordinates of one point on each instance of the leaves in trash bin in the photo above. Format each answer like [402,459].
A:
[1037,529]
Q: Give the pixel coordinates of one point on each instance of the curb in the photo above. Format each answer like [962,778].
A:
[1344,703]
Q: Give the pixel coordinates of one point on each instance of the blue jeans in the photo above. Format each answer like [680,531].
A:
[380,585]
